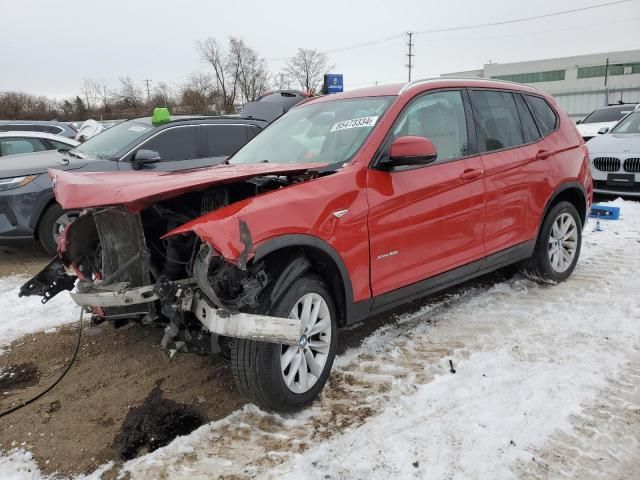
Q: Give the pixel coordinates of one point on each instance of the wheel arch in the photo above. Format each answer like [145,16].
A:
[38,213]
[572,192]
[322,258]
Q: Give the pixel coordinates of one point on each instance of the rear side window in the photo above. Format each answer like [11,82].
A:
[177,143]
[529,128]
[223,140]
[497,120]
[58,145]
[545,116]
[53,129]
[14,146]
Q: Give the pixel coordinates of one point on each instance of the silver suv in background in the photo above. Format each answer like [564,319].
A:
[57,128]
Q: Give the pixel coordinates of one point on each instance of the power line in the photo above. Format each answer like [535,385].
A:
[465,27]
[517,20]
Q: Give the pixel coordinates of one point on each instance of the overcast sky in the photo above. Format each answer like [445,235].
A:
[48,47]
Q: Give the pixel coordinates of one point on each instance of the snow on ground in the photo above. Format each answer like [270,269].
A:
[21,316]
[547,385]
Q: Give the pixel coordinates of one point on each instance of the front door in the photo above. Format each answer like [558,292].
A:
[427,220]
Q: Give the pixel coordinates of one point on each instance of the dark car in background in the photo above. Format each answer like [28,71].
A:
[57,128]
[28,210]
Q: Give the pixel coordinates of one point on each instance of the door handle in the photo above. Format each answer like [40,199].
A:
[471,173]
[543,155]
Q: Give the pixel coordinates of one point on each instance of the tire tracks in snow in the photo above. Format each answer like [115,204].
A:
[394,362]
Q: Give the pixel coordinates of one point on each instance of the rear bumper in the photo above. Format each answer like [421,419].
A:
[601,187]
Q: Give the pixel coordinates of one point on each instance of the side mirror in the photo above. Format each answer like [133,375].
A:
[578,122]
[603,130]
[144,157]
[411,150]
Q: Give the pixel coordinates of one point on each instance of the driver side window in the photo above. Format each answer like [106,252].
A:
[439,117]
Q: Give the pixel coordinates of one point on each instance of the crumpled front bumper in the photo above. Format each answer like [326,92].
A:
[219,321]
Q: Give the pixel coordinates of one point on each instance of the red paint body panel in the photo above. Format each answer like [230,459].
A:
[423,222]
[136,190]
[434,218]
[304,208]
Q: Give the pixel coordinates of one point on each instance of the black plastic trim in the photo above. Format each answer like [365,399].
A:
[353,310]
[562,188]
[461,274]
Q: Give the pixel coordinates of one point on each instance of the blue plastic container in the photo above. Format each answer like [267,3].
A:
[604,212]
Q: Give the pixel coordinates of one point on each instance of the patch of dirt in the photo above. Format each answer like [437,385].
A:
[155,424]
[71,429]
[25,260]
[18,376]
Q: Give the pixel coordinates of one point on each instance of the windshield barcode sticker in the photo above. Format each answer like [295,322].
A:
[137,128]
[354,123]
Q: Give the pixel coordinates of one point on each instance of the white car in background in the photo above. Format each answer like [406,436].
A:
[14,143]
[615,158]
[603,118]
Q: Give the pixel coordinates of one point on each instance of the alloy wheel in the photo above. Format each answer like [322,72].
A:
[563,242]
[302,364]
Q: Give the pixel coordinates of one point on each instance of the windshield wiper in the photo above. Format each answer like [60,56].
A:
[73,153]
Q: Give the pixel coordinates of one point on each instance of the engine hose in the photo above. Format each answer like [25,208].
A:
[48,389]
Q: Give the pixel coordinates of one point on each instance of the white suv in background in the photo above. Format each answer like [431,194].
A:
[615,158]
[605,117]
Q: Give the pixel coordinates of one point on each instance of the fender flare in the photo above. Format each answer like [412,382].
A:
[353,311]
[563,188]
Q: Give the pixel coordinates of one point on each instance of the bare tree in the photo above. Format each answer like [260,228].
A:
[307,69]
[129,94]
[226,77]
[198,93]
[90,92]
[105,94]
[239,73]
[281,81]
[162,95]
[250,70]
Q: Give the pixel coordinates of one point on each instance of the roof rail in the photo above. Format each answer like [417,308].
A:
[479,79]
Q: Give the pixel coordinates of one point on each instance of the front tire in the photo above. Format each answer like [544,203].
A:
[558,246]
[286,378]
[52,223]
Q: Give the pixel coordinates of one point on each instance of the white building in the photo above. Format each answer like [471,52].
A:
[579,84]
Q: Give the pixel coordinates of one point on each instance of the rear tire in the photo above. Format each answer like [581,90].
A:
[52,223]
[558,246]
[286,378]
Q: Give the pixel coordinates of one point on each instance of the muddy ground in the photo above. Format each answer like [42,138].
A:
[72,429]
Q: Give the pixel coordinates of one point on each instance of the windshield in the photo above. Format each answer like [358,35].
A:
[326,132]
[630,124]
[608,114]
[109,142]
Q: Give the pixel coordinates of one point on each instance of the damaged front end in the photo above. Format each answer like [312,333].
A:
[124,270]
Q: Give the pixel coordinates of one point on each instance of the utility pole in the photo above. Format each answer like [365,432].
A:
[147,81]
[410,54]
[606,75]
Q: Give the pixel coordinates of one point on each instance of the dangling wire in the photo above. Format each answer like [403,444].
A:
[64,372]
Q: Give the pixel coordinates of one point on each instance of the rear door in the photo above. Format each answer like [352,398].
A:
[427,220]
[223,140]
[509,156]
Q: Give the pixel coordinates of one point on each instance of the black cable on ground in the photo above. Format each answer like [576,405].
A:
[64,372]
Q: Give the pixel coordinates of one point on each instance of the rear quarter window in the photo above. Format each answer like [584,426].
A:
[224,140]
[545,116]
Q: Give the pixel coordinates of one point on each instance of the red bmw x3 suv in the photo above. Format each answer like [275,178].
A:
[346,206]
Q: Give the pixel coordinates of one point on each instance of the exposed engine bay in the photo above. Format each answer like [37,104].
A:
[126,271]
